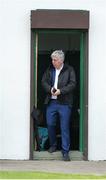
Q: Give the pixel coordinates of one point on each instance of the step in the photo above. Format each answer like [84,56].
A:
[45,155]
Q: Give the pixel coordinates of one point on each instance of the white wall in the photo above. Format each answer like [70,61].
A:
[15,74]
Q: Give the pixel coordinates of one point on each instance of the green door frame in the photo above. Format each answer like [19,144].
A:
[36,35]
[81,137]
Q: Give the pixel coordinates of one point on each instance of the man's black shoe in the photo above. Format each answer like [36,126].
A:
[52,149]
[66,157]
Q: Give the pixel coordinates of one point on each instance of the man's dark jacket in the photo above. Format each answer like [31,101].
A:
[66,84]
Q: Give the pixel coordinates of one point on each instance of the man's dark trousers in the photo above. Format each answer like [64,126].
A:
[64,112]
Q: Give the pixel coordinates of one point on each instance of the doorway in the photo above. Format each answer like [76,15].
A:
[71,42]
[46,25]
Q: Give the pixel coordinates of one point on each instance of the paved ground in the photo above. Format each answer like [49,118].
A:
[75,167]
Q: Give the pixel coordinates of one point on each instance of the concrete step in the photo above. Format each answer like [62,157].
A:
[45,155]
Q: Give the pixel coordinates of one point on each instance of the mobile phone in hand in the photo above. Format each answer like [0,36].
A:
[54,90]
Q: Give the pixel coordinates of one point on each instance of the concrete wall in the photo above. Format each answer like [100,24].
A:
[15,74]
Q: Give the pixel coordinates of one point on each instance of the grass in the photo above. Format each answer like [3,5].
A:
[43,175]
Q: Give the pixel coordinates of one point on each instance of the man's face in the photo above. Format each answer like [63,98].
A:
[57,62]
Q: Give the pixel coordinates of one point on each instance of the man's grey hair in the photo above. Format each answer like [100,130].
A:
[58,54]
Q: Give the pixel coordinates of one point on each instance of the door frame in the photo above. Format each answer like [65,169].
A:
[84,85]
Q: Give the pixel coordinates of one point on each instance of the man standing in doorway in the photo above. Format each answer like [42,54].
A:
[59,82]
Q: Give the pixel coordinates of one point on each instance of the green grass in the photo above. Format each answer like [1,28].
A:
[41,175]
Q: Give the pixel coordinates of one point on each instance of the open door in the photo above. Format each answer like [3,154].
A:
[71,42]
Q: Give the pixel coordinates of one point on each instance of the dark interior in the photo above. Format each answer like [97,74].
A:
[70,44]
